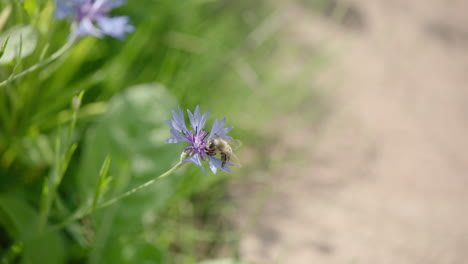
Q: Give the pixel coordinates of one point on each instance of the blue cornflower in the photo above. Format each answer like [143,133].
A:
[198,138]
[92,18]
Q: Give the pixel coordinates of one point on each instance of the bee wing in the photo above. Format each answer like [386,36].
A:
[235,144]
[235,160]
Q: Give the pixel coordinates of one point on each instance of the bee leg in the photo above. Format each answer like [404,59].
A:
[224,159]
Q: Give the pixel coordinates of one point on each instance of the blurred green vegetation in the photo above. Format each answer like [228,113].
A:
[212,53]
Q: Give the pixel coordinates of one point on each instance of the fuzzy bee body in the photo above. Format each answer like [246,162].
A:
[220,146]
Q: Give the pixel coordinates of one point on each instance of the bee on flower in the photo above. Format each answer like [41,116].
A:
[203,146]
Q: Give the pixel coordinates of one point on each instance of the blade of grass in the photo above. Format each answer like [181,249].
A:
[102,181]
[66,161]
[76,103]
[3,47]
[50,184]
[36,66]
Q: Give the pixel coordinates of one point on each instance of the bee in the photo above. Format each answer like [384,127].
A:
[223,147]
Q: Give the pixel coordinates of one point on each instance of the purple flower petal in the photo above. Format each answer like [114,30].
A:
[219,131]
[64,9]
[196,121]
[216,163]
[196,160]
[179,121]
[202,120]
[109,4]
[176,137]
[194,117]
[86,28]
[115,27]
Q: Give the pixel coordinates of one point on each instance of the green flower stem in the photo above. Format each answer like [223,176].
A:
[82,213]
[36,66]
[140,187]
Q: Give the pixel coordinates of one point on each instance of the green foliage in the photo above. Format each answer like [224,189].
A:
[57,159]
[103,182]
[20,220]
[19,42]
[132,132]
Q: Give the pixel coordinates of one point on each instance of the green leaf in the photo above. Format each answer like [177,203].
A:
[30,7]
[25,35]
[132,132]
[37,150]
[3,47]
[102,181]
[48,248]
[16,216]
[21,220]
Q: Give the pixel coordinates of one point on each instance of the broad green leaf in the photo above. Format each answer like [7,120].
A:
[25,35]
[49,248]
[37,149]
[16,217]
[20,220]
[132,133]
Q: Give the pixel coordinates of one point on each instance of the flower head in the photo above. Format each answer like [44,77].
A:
[198,138]
[92,18]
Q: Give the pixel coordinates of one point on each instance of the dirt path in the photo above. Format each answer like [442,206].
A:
[386,174]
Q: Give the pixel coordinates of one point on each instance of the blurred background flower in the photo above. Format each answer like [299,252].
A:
[92,18]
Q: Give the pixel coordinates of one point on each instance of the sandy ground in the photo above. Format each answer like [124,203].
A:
[386,172]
